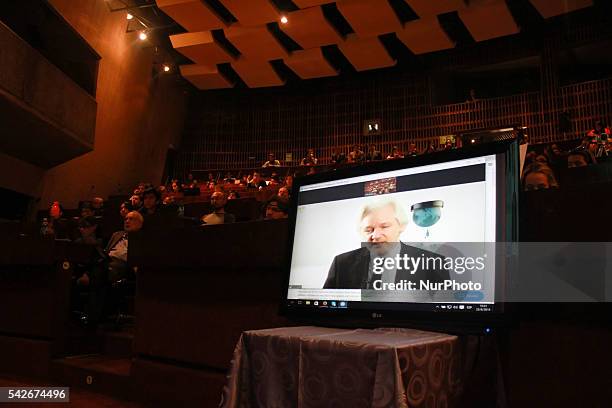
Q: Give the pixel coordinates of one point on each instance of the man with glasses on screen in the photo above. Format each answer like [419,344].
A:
[381,223]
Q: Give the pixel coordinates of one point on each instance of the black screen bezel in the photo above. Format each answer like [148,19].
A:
[460,322]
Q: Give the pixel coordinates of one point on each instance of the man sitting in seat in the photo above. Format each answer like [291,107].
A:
[275,209]
[117,248]
[257,181]
[217,201]
[272,161]
[310,159]
[150,201]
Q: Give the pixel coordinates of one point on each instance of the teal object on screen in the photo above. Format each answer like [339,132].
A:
[426,217]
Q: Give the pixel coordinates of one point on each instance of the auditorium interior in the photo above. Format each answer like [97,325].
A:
[236,144]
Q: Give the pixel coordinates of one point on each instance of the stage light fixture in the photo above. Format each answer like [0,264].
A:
[166,68]
[284,19]
[129,16]
[142,36]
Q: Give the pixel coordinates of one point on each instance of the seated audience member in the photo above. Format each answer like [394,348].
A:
[395,154]
[538,176]
[88,227]
[150,201]
[373,154]
[217,201]
[88,235]
[175,187]
[98,206]
[136,202]
[412,150]
[117,247]
[140,188]
[168,200]
[87,209]
[580,158]
[275,209]
[233,195]
[356,155]
[542,158]
[58,226]
[338,158]
[257,181]
[310,159]
[125,208]
[289,182]
[283,194]
[430,148]
[274,179]
[599,129]
[272,162]
[89,275]
[472,96]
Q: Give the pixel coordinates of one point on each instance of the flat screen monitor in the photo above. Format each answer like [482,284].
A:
[402,241]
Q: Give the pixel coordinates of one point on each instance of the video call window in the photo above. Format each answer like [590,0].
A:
[427,223]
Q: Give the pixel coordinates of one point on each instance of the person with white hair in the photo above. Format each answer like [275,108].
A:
[381,222]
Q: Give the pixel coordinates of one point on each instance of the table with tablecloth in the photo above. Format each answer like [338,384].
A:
[327,367]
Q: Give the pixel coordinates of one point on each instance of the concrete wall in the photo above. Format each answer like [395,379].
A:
[138,116]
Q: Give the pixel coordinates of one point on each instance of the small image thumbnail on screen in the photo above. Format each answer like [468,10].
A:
[382,186]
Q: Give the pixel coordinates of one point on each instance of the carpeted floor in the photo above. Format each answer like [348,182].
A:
[78,397]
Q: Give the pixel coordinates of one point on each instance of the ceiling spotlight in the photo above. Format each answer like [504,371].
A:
[284,19]
[166,68]
[129,16]
[142,36]
[473,140]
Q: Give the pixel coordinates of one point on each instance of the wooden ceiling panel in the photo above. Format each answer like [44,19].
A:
[551,8]
[487,19]
[310,64]
[194,15]
[257,74]
[310,3]
[429,8]
[366,53]
[370,17]
[204,77]
[200,47]
[425,35]
[310,29]
[252,12]
[255,43]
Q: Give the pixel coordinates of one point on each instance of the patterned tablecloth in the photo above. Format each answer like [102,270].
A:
[322,367]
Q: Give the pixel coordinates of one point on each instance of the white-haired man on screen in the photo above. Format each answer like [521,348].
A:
[381,223]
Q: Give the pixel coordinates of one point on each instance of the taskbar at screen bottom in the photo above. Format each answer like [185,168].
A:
[340,305]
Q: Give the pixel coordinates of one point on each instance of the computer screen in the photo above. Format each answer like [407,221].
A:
[411,236]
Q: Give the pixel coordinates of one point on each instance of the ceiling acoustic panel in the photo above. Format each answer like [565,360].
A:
[252,12]
[310,3]
[257,74]
[424,35]
[310,64]
[430,8]
[193,15]
[200,47]
[204,77]
[310,29]
[255,43]
[487,19]
[551,8]
[365,53]
[370,17]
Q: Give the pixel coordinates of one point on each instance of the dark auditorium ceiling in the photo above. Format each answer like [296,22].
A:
[247,38]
